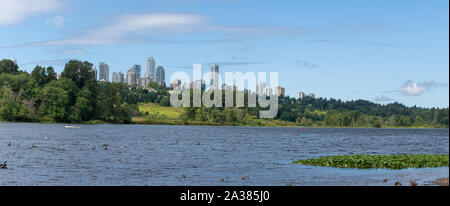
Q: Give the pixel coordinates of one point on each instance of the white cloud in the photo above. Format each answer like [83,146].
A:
[14,11]
[417,88]
[145,27]
[74,51]
[56,21]
[131,25]
[412,88]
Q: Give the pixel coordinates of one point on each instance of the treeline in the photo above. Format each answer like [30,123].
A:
[326,112]
[159,94]
[76,97]
[359,113]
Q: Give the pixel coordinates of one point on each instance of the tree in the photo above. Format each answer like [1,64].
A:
[81,73]
[67,85]
[9,106]
[51,74]
[346,121]
[43,75]
[82,110]
[84,105]
[55,103]
[8,66]
[418,121]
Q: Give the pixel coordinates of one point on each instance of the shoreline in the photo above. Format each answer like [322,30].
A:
[441,181]
[191,123]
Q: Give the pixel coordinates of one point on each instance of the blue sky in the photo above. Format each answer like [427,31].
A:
[381,51]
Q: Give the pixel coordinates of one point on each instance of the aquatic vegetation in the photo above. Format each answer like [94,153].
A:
[401,161]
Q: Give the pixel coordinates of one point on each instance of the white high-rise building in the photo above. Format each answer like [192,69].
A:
[280,91]
[301,95]
[118,77]
[150,68]
[103,72]
[131,77]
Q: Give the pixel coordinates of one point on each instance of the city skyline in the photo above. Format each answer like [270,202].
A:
[133,77]
[380,51]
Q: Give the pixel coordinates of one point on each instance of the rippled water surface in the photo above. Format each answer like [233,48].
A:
[50,154]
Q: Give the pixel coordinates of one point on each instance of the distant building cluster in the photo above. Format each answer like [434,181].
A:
[157,74]
[134,74]
[280,91]
[302,95]
[262,89]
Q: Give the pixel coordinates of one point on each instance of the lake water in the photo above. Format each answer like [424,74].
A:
[203,155]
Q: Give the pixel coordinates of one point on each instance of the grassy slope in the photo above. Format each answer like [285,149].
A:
[170,112]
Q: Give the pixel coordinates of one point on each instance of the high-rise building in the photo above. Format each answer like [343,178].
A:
[104,72]
[94,69]
[160,76]
[214,75]
[312,95]
[260,88]
[198,85]
[301,95]
[118,77]
[280,91]
[131,77]
[150,68]
[175,84]
[137,70]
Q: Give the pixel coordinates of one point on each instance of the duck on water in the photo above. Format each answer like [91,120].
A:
[3,166]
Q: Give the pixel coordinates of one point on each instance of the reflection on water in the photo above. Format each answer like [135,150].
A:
[194,155]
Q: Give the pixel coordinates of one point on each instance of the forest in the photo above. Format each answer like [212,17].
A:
[331,113]
[75,97]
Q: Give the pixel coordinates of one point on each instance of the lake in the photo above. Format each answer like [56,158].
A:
[50,154]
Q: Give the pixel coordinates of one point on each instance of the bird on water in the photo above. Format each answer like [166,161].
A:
[3,166]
